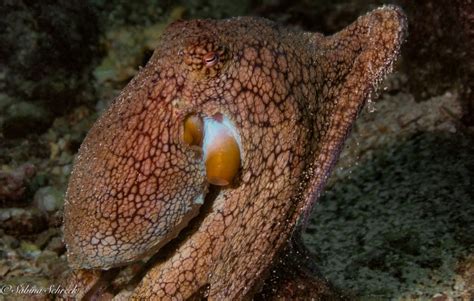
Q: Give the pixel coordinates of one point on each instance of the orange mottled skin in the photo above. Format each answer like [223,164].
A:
[292,96]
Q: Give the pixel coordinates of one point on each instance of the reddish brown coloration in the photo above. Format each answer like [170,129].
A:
[292,96]
[193,130]
[210,59]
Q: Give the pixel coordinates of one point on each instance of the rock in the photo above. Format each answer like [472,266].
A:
[58,268]
[29,250]
[7,246]
[13,183]
[10,241]
[22,221]
[45,237]
[127,48]
[438,53]
[46,260]
[11,255]
[47,52]
[4,268]
[5,102]
[48,199]
[24,282]
[56,219]
[464,281]
[56,245]
[24,118]
[397,221]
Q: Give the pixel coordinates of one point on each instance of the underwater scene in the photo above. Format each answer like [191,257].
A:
[237,150]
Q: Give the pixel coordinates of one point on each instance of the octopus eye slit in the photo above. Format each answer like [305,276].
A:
[211,58]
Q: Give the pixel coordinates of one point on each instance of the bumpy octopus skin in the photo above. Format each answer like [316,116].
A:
[292,97]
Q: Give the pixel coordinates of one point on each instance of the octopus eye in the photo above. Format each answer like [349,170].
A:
[220,145]
[210,59]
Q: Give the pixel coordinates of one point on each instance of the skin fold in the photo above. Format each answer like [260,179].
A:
[137,186]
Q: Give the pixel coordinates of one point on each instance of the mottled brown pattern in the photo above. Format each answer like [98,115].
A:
[292,96]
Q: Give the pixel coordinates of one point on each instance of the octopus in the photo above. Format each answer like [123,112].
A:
[206,165]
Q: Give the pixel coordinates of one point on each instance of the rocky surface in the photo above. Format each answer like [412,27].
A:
[396,220]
